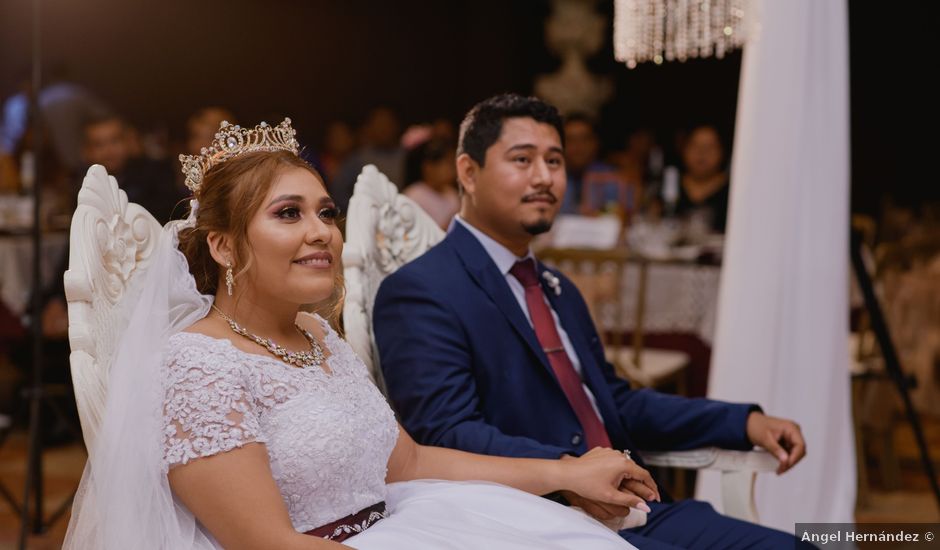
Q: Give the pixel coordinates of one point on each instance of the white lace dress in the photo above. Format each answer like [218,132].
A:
[328,438]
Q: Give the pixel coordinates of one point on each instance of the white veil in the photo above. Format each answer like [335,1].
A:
[124,500]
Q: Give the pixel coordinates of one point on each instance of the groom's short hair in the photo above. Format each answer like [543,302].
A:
[483,125]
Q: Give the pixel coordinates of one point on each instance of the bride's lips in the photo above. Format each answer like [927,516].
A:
[317,260]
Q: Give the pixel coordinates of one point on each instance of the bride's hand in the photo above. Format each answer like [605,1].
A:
[607,476]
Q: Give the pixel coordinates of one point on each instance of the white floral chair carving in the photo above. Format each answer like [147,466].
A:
[385,230]
[109,246]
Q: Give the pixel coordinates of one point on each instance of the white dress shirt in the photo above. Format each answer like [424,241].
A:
[504,260]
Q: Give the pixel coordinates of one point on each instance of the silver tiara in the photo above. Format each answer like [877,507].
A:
[232,140]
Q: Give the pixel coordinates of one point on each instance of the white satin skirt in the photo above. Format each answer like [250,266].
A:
[446,515]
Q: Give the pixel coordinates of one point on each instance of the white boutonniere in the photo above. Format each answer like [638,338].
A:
[552,281]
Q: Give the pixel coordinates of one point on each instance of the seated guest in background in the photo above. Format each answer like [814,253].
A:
[65,107]
[595,187]
[58,197]
[14,116]
[485,349]
[379,145]
[339,141]
[202,125]
[147,182]
[704,185]
[444,129]
[431,179]
[640,160]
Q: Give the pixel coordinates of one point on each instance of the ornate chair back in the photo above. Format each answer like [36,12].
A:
[384,231]
[110,244]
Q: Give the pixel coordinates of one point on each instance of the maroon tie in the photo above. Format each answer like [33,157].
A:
[595,435]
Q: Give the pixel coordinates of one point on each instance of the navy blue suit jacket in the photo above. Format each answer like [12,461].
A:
[464,369]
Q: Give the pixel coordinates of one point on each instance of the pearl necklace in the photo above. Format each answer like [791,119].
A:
[300,359]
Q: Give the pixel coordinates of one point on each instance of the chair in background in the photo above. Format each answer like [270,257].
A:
[385,230]
[600,277]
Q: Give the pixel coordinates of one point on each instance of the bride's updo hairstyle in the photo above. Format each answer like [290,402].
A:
[229,196]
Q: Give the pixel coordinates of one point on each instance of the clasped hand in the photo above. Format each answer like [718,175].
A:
[606,484]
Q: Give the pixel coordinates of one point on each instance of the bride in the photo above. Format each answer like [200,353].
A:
[235,421]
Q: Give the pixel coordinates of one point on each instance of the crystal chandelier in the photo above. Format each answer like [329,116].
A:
[666,30]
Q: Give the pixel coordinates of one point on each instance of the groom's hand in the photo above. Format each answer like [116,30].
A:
[597,510]
[605,511]
[781,437]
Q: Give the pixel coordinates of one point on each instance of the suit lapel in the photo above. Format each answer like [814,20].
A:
[484,272]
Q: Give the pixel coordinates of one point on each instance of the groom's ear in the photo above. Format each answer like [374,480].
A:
[220,246]
[467,170]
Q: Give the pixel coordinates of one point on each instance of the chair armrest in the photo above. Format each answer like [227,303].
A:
[738,469]
[713,458]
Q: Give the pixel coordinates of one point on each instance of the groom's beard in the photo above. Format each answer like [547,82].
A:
[537,228]
[544,224]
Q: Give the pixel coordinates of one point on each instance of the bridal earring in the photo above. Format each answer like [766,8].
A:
[229,278]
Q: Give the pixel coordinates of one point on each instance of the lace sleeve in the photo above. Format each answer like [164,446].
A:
[207,408]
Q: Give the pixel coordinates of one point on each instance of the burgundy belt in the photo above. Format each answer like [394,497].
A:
[352,524]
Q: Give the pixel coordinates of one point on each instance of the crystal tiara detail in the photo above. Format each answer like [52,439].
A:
[232,140]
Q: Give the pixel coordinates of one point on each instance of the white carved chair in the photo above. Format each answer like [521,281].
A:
[385,230]
[109,246]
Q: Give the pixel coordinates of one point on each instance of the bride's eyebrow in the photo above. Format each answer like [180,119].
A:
[291,198]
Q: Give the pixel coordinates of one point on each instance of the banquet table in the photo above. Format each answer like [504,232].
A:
[16,266]
[670,302]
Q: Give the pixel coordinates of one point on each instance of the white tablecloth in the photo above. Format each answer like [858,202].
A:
[16,267]
[679,298]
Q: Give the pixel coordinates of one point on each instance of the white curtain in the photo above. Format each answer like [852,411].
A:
[783,313]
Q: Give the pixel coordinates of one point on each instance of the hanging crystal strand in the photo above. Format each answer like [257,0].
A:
[695,28]
[682,30]
[670,22]
[621,33]
[625,32]
[705,39]
[659,17]
[649,27]
[639,26]
[642,23]
[738,23]
[718,27]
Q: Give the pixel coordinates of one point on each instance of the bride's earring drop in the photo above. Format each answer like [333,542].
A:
[229,278]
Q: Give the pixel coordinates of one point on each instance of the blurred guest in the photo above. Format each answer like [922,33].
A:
[431,179]
[594,187]
[155,142]
[15,115]
[379,137]
[641,159]
[202,125]
[444,128]
[704,185]
[338,142]
[65,107]
[147,182]
[58,197]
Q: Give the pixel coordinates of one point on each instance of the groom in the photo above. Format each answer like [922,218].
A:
[485,349]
